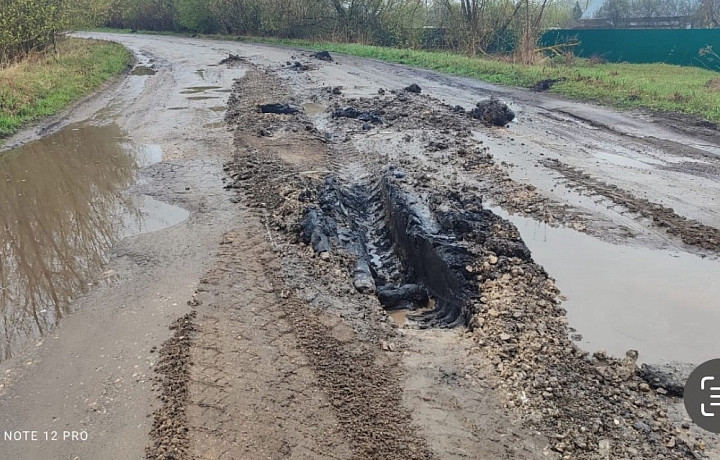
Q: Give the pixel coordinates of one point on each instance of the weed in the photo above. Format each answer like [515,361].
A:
[42,84]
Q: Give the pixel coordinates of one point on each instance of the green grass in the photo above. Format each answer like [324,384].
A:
[657,87]
[44,83]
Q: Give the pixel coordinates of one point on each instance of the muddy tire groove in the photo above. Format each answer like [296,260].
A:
[689,231]
[169,428]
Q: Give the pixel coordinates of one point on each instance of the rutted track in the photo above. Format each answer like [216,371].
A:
[397,232]
[291,353]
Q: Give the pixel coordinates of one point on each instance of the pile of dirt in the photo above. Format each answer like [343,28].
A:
[493,112]
[170,424]
[323,56]
[233,60]
[690,231]
[414,88]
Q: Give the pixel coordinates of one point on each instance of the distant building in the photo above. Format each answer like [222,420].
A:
[650,14]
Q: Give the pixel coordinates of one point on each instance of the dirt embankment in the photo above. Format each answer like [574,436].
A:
[346,218]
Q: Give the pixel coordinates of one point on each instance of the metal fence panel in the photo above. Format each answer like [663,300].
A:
[672,46]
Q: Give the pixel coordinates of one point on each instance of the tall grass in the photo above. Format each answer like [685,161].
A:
[44,83]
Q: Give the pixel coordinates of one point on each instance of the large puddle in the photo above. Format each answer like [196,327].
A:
[63,205]
[664,304]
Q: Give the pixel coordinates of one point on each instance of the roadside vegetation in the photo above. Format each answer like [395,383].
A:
[44,82]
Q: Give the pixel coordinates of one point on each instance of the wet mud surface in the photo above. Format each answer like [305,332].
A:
[349,282]
[64,207]
[690,231]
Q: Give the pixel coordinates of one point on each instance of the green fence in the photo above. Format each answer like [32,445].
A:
[672,46]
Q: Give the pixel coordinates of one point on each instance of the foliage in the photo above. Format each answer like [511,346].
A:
[475,26]
[42,84]
[32,25]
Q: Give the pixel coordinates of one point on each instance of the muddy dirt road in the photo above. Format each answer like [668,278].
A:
[372,273]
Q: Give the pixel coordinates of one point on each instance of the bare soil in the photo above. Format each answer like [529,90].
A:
[254,330]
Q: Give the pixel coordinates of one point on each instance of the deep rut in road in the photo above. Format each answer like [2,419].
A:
[294,356]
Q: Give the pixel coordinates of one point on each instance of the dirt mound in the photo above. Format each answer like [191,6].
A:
[414,88]
[170,425]
[322,55]
[422,232]
[232,60]
[493,112]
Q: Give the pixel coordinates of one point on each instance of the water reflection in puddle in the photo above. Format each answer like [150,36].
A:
[198,89]
[62,207]
[664,304]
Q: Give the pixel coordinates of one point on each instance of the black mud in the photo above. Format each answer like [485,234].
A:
[414,88]
[279,108]
[352,112]
[493,112]
[322,55]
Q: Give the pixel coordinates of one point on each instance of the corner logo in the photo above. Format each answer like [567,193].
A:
[702,395]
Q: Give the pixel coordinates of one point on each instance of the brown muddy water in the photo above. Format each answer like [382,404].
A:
[63,205]
[664,304]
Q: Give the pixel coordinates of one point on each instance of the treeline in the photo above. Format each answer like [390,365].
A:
[472,26]
[32,25]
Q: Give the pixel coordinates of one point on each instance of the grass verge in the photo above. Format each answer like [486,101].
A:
[45,83]
[657,87]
